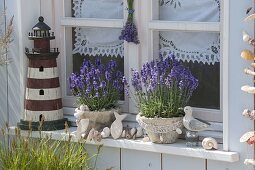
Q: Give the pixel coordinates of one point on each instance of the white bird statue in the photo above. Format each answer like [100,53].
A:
[193,124]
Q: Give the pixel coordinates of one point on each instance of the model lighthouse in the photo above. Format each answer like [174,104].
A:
[43,104]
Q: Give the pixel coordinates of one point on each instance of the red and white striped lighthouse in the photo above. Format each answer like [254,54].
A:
[43,103]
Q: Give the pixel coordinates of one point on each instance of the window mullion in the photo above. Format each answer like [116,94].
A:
[91,22]
[184,26]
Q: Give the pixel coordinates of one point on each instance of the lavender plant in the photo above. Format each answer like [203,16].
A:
[162,87]
[129,32]
[97,85]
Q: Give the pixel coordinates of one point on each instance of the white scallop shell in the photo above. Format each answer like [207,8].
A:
[209,143]
[132,132]
[139,132]
[146,139]
[106,132]
[123,135]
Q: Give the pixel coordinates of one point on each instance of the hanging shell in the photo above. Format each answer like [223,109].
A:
[248,89]
[248,137]
[106,132]
[250,17]
[249,72]
[139,132]
[249,162]
[209,143]
[247,55]
[249,114]
[246,37]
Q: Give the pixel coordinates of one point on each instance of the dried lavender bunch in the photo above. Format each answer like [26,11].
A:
[5,39]
[97,85]
[162,87]
[129,32]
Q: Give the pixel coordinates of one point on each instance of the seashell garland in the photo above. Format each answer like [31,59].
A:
[209,143]
[249,114]
[247,55]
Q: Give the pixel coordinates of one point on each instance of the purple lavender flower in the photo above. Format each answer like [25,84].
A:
[129,33]
[97,85]
[162,87]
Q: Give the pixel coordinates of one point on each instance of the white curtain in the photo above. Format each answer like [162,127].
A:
[191,46]
[98,41]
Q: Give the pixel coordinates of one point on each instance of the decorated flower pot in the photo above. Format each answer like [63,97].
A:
[98,119]
[161,130]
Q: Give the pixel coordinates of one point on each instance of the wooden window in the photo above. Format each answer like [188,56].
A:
[150,23]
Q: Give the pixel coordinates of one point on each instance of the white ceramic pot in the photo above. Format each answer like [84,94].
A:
[161,130]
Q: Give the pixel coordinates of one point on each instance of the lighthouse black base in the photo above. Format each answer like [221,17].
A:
[46,126]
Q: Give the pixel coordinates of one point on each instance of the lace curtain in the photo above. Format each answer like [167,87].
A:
[187,46]
[191,46]
[98,41]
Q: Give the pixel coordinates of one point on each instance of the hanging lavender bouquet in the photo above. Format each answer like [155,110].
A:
[97,85]
[162,87]
[129,32]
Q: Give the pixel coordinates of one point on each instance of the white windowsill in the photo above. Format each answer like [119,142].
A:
[179,148]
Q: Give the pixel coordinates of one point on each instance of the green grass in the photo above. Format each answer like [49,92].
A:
[25,153]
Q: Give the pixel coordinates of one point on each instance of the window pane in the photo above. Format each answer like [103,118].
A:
[189,10]
[88,44]
[200,51]
[107,9]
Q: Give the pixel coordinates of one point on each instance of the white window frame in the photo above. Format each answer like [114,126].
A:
[136,55]
[131,51]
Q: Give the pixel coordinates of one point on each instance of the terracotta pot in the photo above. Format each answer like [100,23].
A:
[161,130]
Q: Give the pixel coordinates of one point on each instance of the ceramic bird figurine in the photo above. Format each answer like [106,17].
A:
[193,124]
[117,126]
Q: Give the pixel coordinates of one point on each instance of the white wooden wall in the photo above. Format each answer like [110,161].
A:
[26,13]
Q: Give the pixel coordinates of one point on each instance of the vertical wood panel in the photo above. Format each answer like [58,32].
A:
[217,165]
[138,160]
[107,158]
[173,162]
